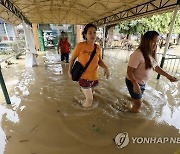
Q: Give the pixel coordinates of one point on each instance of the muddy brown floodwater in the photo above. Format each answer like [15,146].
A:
[45,116]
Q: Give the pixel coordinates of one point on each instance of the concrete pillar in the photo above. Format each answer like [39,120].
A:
[78,34]
[36,38]
[104,40]
[5,28]
[31,52]
[110,36]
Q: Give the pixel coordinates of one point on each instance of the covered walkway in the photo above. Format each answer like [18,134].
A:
[79,12]
[46,116]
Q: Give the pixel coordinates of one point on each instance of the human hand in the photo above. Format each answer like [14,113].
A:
[136,88]
[172,78]
[106,73]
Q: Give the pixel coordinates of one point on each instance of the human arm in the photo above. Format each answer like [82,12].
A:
[71,62]
[136,58]
[136,87]
[102,64]
[69,45]
[58,47]
[160,71]
[75,54]
[106,70]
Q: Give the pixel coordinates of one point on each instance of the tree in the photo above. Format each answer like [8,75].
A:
[159,22]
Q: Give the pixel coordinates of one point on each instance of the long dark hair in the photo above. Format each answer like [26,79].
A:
[86,29]
[146,48]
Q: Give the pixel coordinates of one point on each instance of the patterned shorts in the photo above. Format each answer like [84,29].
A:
[88,84]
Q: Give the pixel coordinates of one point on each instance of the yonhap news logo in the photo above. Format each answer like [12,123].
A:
[123,139]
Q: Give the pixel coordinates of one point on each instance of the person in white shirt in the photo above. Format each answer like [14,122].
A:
[141,65]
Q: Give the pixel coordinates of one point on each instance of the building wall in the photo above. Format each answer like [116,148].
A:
[10,32]
[35,34]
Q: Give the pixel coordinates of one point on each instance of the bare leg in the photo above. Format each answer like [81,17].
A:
[93,90]
[136,106]
[89,97]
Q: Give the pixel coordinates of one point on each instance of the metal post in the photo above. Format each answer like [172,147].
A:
[6,31]
[17,41]
[4,89]
[104,38]
[168,38]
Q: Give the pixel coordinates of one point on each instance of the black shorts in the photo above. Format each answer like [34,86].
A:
[131,92]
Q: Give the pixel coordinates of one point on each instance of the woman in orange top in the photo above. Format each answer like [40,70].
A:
[83,51]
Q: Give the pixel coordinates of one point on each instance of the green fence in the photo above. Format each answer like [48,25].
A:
[41,40]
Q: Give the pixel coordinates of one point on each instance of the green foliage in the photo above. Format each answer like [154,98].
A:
[177,24]
[159,23]
[130,27]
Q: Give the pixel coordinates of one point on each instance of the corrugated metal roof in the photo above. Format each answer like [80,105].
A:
[82,11]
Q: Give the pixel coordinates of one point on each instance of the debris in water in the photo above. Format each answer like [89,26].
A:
[24,141]
[8,137]
[98,130]
[34,128]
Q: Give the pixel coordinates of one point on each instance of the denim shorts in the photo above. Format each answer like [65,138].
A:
[131,92]
[88,84]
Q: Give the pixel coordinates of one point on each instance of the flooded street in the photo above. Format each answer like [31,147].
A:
[46,117]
